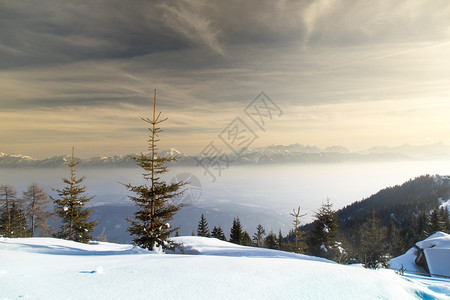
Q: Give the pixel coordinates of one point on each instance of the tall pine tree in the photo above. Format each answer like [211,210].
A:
[150,226]
[202,229]
[236,233]
[70,207]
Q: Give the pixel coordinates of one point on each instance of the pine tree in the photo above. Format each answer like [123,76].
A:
[422,227]
[7,197]
[70,208]
[19,226]
[445,219]
[36,201]
[271,240]
[246,240]
[280,242]
[258,237]
[434,222]
[298,234]
[202,229]
[323,239]
[217,233]
[150,226]
[395,242]
[236,233]
[373,248]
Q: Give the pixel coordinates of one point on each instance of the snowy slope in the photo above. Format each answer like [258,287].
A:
[45,268]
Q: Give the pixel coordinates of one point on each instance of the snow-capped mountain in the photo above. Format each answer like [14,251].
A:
[294,153]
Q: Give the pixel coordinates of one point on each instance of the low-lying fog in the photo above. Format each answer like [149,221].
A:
[257,194]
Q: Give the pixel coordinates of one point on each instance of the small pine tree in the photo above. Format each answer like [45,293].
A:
[258,237]
[202,229]
[373,248]
[298,234]
[36,201]
[7,197]
[217,233]
[70,208]
[19,225]
[271,240]
[323,239]
[246,239]
[150,226]
[236,232]
[280,242]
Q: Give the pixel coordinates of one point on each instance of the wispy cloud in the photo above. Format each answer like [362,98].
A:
[81,61]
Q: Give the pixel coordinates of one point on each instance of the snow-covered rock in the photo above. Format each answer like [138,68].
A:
[436,249]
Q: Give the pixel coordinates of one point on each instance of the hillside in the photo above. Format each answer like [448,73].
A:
[404,210]
[59,269]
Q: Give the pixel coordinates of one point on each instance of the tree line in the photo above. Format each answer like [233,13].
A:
[372,243]
[31,214]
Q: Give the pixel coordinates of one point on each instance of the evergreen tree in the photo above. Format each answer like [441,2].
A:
[271,240]
[280,243]
[394,240]
[246,240]
[18,222]
[258,237]
[70,208]
[150,226]
[7,197]
[422,227]
[323,239]
[202,229]
[434,222]
[373,248]
[36,201]
[217,233]
[445,219]
[236,233]
[298,233]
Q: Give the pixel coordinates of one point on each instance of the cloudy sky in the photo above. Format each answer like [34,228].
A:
[354,73]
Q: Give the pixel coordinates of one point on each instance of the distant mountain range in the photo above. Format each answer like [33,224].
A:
[295,153]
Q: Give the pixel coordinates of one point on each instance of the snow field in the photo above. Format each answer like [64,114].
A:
[55,269]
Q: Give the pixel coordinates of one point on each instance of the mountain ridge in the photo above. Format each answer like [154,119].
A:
[272,154]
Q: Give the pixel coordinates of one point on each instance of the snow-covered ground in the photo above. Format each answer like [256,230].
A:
[47,268]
